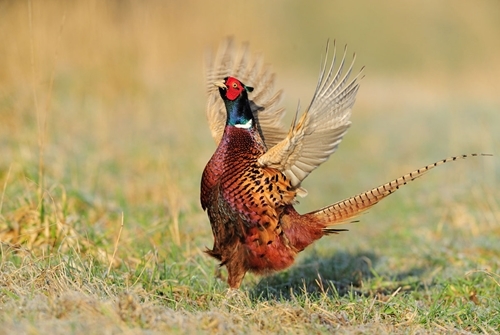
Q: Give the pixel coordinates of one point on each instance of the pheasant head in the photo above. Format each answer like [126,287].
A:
[235,96]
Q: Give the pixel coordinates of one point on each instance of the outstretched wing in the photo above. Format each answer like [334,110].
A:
[320,129]
[250,70]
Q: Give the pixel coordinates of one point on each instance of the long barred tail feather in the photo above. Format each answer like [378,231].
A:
[346,209]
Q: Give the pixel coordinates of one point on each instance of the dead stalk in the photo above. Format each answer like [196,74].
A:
[116,246]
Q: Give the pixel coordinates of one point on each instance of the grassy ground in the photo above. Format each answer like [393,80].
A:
[103,140]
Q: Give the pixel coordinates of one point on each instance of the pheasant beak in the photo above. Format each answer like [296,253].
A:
[220,84]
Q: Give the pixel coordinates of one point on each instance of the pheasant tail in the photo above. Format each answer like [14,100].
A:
[347,209]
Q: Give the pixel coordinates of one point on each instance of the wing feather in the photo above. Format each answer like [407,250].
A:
[320,129]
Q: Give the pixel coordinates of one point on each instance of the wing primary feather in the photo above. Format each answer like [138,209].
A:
[336,83]
[321,74]
[332,65]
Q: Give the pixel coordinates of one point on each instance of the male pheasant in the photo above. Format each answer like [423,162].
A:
[250,183]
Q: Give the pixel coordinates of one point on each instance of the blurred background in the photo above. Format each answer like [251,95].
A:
[107,99]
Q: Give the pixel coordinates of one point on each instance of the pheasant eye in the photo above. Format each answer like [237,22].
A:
[235,85]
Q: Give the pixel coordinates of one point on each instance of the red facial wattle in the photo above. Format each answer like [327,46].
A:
[234,88]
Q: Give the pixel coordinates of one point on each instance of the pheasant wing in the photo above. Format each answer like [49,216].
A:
[249,69]
[320,129]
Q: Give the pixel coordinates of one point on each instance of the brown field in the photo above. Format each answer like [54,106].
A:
[103,139]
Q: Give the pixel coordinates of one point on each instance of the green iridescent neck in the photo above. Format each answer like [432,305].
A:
[239,113]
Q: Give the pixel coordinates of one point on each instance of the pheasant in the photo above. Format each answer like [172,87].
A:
[249,186]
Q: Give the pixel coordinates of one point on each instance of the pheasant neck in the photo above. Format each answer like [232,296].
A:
[239,114]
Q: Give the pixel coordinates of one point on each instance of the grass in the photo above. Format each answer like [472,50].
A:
[103,141]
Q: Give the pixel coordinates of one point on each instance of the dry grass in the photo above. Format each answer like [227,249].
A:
[103,140]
